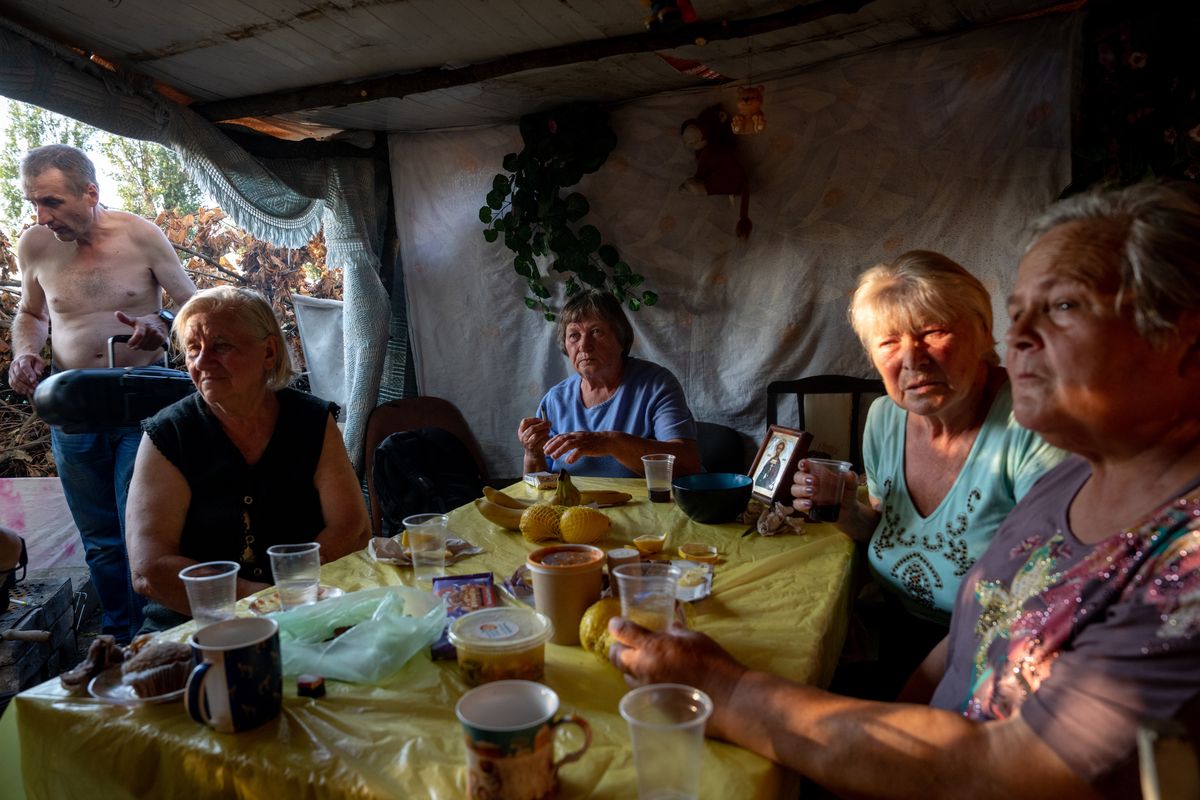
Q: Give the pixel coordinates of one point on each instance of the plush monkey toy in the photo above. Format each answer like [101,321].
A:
[749,117]
[718,170]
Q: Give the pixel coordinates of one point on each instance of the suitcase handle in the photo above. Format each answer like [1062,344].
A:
[124,337]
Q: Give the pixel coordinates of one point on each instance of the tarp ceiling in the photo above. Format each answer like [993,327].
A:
[316,67]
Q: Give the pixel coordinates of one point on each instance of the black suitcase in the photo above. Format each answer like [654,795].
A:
[92,400]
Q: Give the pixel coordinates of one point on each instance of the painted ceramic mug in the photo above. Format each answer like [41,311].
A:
[509,731]
[237,683]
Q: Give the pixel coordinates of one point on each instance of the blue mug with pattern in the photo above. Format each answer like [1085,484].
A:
[237,683]
[509,730]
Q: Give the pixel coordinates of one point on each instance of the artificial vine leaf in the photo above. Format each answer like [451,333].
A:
[577,207]
[649,298]
[634,304]
[589,238]
[560,146]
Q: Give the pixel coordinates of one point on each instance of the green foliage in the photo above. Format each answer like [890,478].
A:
[30,127]
[526,208]
[150,178]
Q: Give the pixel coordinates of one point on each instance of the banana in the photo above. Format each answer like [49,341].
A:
[509,518]
[499,498]
[604,497]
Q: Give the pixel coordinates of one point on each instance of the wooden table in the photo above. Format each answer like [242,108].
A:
[778,603]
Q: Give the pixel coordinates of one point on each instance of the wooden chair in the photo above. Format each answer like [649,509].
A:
[409,414]
[826,384]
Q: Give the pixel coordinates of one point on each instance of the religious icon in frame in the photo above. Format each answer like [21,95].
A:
[771,473]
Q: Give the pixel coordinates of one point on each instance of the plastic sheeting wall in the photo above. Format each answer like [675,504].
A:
[951,144]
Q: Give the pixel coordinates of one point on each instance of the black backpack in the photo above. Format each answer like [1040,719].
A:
[423,471]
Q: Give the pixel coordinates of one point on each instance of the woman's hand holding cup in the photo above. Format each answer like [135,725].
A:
[824,489]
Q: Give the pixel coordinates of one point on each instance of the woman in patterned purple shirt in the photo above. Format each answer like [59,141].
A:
[1082,619]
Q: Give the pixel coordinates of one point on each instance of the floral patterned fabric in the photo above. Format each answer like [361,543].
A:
[1083,641]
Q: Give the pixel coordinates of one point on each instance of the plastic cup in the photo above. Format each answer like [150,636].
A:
[829,482]
[658,476]
[647,592]
[211,590]
[666,724]
[427,545]
[297,569]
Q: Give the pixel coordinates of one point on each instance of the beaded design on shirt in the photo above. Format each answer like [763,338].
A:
[915,571]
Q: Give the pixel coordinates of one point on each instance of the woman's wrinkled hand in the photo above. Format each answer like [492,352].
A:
[533,433]
[575,445]
[676,656]
[804,484]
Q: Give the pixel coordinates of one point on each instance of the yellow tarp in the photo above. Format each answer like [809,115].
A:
[778,604]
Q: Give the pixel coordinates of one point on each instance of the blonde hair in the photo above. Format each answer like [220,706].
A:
[915,289]
[252,311]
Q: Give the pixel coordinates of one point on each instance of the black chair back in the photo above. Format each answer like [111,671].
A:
[826,384]
[721,448]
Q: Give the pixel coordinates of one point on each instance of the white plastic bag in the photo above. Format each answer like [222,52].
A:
[387,626]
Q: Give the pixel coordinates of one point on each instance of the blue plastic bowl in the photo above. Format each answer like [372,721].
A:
[712,497]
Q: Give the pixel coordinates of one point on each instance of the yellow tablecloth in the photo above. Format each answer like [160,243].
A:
[778,603]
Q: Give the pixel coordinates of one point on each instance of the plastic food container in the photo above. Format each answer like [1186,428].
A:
[501,643]
[693,551]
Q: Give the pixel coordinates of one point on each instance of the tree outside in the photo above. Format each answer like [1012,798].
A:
[149,181]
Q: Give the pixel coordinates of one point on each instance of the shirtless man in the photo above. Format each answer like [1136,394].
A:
[90,273]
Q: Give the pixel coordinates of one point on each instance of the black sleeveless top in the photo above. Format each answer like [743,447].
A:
[238,511]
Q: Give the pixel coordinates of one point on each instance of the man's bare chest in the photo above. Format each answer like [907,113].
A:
[87,283]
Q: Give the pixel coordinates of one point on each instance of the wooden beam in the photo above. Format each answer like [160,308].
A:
[435,78]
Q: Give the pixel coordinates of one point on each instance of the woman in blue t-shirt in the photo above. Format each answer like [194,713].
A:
[614,409]
[945,460]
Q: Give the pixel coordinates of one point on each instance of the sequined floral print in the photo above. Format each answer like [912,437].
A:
[1022,630]
[916,571]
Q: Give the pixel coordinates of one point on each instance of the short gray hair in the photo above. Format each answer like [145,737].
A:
[915,289]
[602,305]
[1146,240]
[75,166]
[253,311]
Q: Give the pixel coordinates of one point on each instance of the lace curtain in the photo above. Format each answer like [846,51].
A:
[281,201]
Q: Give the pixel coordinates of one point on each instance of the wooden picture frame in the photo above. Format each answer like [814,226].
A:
[772,470]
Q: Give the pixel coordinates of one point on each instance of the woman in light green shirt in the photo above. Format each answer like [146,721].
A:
[944,458]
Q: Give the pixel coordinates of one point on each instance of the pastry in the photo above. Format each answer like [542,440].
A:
[158,668]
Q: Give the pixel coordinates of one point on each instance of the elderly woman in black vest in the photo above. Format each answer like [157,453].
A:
[243,464]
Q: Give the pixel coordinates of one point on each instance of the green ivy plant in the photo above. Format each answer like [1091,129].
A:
[527,207]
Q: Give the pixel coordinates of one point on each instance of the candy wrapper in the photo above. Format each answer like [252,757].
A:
[462,594]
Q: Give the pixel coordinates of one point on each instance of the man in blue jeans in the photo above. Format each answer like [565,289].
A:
[89,273]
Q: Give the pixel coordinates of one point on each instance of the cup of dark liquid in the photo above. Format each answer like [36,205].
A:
[658,476]
[829,482]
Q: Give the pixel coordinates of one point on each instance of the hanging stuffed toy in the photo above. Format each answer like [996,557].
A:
[667,15]
[749,117]
[718,170]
